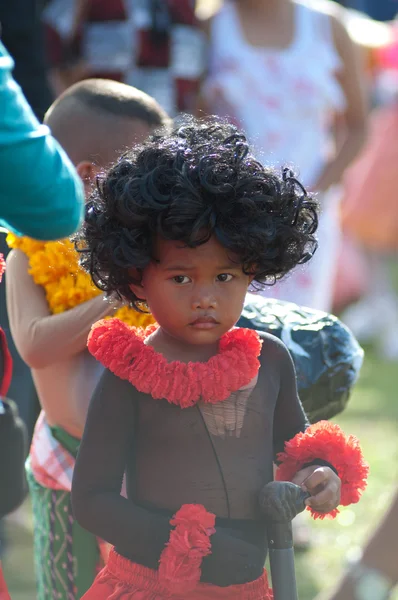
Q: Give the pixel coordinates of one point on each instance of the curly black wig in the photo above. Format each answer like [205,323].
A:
[198,181]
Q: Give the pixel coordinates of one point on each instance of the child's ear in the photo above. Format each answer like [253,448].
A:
[138,290]
[136,286]
[87,171]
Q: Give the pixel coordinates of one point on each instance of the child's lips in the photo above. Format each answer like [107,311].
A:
[204,323]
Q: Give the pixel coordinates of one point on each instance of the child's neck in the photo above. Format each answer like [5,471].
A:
[267,23]
[174,349]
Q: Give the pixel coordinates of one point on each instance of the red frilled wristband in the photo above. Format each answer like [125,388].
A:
[327,441]
[180,561]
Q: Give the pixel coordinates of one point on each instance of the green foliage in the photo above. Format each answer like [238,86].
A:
[371,415]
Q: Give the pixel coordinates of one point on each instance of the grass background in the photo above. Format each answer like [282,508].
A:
[372,415]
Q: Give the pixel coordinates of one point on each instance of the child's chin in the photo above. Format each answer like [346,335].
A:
[206,335]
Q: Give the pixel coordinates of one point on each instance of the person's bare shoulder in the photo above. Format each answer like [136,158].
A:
[337,16]
[326,7]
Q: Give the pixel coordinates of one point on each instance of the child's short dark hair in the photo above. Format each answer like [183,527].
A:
[92,120]
[197,181]
[108,97]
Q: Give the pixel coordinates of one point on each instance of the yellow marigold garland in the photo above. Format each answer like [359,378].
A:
[55,266]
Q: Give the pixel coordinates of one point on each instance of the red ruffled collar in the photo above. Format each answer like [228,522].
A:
[122,350]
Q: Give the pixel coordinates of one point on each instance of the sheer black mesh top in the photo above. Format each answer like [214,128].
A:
[219,455]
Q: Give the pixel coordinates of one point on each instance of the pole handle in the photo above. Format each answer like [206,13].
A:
[281,501]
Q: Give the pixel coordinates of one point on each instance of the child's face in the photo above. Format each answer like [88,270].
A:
[195,294]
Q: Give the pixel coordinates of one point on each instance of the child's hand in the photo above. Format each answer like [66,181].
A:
[324,486]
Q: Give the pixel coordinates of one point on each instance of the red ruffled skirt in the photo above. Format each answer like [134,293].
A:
[122,579]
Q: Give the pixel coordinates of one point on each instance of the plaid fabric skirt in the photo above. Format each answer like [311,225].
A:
[66,556]
[122,579]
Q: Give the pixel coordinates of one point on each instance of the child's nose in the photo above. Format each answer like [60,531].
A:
[204,299]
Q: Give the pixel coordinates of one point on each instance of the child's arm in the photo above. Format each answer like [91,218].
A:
[317,457]
[98,475]
[289,416]
[137,533]
[43,339]
[319,476]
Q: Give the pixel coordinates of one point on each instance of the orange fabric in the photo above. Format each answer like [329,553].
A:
[4,595]
[370,206]
[122,579]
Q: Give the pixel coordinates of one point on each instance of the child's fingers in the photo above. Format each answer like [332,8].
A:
[325,500]
[302,475]
[322,499]
[317,478]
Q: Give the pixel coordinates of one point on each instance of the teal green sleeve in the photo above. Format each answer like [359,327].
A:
[41,194]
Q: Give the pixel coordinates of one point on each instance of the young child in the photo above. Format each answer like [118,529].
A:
[193,409]
[51,315]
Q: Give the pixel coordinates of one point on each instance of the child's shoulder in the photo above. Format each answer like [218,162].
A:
[273,349]
[17,263]
[275,358]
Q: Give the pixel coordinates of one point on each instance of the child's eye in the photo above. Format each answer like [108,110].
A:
[181,279]
[224,277]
